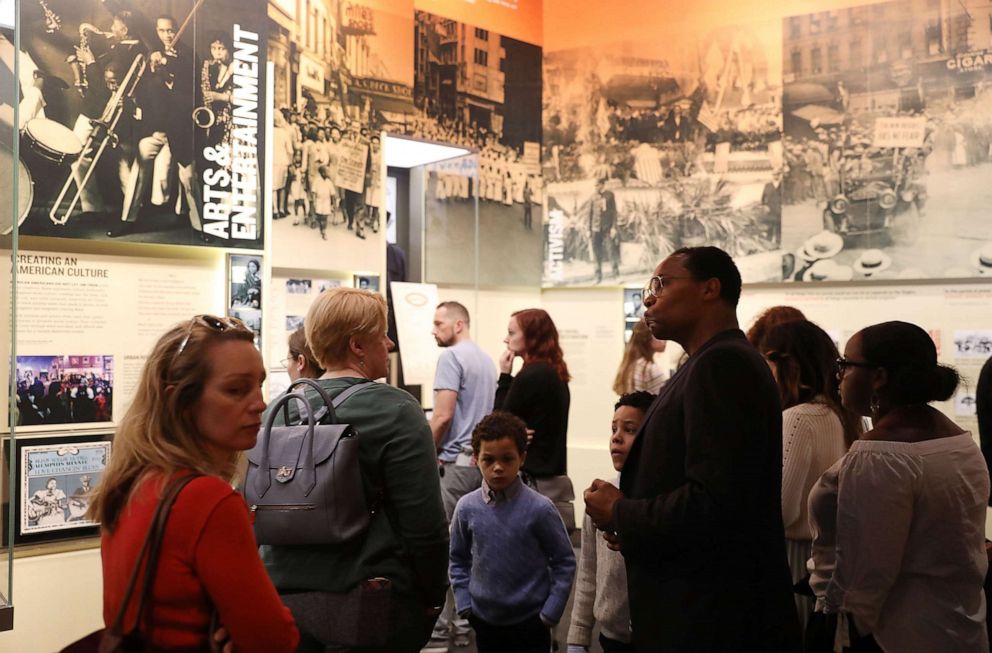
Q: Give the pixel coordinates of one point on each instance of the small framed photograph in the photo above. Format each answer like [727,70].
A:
[298,286]
[244,275]
[56,477]
[633,310]
[62,390]
[327,284]
[244,281]
[367,282]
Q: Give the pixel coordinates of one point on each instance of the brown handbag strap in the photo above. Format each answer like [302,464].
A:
[150,550]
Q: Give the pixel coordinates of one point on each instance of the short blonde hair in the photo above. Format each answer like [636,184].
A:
[337,316]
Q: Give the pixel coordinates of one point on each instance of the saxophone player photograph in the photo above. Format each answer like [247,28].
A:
[129,98]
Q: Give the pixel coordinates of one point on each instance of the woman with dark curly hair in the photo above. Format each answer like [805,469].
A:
[538,395]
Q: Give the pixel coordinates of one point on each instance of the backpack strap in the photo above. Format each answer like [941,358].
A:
[149,555]
[342,397]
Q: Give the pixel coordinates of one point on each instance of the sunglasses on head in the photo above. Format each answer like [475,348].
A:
[215,324]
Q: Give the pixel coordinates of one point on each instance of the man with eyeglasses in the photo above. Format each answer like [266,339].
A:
[698,513]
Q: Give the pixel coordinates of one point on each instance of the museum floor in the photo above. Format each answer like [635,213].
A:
[561,632]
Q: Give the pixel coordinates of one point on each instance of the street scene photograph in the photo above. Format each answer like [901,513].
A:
[887,142]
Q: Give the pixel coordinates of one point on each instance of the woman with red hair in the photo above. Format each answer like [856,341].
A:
[539,396]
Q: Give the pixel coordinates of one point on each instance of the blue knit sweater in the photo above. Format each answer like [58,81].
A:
[511,558]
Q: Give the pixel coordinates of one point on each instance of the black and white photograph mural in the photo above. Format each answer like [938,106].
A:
[654,145]
[887,139]
[480,90]
[341,78]
[141,121]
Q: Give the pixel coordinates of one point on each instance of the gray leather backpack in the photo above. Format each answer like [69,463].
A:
[304,484]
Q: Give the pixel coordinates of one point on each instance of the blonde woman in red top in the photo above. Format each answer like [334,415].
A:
[198,404]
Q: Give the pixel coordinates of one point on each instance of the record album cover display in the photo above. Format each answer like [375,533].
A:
[56,477]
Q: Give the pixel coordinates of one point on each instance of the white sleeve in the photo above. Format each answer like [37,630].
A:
[797,456]
[582,623]
[874,513]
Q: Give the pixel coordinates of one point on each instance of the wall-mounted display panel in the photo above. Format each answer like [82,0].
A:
[86,322]
[480,89]
[144,122]
[651,145]
[772,135]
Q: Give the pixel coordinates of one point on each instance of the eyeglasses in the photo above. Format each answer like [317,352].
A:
[843,364]
[292,357]
[214,323]
[656,284]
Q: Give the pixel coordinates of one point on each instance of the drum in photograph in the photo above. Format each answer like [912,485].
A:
[25,191]
[51,140]
[48,148]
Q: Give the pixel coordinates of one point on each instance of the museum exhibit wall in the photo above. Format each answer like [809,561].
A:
[165,224]
[690,111]
[550,97]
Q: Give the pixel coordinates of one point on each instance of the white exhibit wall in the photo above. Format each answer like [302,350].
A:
[590,321]
[490,311]
[58,598]
[590,327]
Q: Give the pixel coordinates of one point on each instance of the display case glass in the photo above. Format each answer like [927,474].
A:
[451,221]
[15,183]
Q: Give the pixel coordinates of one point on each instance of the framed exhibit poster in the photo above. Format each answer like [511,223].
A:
[414,305]
[56,477]
[143,121]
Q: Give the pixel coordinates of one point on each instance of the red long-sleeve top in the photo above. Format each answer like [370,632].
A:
[209,556]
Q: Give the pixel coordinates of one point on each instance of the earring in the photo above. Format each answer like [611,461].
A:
[873,406]
[362,363]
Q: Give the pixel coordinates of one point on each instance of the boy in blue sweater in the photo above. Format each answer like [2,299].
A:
[511,562]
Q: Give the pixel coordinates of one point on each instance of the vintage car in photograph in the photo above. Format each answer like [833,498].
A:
[879,191]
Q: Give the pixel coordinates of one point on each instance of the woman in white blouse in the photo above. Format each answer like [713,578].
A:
[816,429]
[898,524]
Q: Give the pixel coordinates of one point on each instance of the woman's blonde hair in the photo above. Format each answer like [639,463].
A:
[638,349]
[158,431]
[337,316]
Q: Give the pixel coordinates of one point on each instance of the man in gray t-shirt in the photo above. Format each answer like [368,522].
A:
[464,389]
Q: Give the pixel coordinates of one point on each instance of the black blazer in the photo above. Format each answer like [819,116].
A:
[701,521]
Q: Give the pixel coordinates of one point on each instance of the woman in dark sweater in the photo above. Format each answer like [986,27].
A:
[538,394]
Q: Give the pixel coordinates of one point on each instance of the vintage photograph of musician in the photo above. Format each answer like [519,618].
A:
[654,145]
[888,141]
[480,90]
[57,479]
[143,120]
